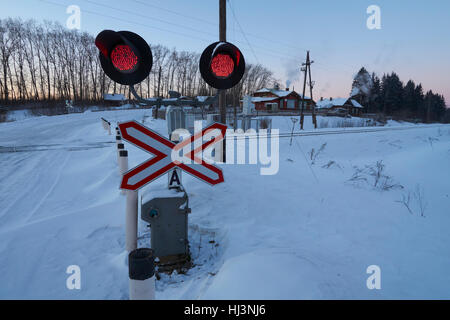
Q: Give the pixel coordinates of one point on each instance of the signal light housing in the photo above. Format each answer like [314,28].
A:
[125,57]
[222,65]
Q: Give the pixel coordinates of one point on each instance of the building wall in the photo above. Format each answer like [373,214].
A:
[282,104]
[282,101]
[261,106]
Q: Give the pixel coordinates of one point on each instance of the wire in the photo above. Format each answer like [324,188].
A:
[266,51]
[150,17]
[131,22]
[274,53]
[176,13]
[243,33]
[271,40]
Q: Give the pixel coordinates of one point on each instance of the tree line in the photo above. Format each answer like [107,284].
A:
[48,62]
[391,97]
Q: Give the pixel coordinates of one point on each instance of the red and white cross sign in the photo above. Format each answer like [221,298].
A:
[164,151]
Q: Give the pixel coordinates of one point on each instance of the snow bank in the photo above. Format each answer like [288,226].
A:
[305,232]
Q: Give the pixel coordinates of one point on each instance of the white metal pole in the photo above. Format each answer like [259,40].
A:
[123,161]
[120,147]
[123,164]
[131,220]
[141,272]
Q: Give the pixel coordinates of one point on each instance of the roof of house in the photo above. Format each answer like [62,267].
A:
[279,93]
[356,104]
[113,97]
[263,90]
[336,102]
[263,99]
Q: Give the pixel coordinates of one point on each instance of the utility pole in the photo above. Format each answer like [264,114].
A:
[306,68]
[311,85]
[223,38]
[302,116]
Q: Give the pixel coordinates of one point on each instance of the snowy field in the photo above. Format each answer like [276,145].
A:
[308,232]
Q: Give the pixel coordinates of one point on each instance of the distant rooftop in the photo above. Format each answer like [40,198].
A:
[336,102]
[279,93]
[113,97]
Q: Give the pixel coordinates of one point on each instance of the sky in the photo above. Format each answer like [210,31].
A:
[414,39]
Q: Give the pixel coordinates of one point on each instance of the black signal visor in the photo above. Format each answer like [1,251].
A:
[125,57]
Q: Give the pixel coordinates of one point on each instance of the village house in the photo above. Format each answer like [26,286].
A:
[279,100]
[350,105]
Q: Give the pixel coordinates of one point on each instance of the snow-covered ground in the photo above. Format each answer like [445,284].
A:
[309,231]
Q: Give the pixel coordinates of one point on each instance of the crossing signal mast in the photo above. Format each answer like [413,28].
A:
[127,59]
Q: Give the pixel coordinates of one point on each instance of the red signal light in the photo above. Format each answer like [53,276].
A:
[222,65]
[123,58]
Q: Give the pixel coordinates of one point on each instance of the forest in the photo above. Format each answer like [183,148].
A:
[47,63]
[389,96]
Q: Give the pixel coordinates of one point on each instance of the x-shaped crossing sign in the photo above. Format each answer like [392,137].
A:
[164,151]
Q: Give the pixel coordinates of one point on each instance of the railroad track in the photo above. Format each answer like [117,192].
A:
[365,130]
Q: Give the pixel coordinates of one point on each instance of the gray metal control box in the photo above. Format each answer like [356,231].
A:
[175,119]
[167,212]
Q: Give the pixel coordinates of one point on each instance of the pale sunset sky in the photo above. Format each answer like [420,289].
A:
[414,39]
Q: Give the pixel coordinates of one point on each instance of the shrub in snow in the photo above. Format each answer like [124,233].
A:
[415,201]
[330,164]
[374,176]
[313,154]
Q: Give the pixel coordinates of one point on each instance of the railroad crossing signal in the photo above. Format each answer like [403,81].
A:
[124,56]
[222,65]
[163,149]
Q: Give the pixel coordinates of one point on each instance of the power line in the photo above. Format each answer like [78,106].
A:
[176,13]
[150,17]
[265,52]
[130,22]
[274,53]
[243,33]
[277,53]
[271,40]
